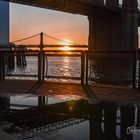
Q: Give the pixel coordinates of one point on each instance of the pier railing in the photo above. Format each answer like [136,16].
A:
[114,67]
[19,59]
[125,64]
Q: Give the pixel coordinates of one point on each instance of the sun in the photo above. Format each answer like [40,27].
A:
[66,43]
[66,48]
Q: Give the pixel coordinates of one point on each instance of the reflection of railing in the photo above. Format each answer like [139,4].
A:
[51,127]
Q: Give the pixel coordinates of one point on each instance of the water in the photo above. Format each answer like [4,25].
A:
[57,66]
[25,117]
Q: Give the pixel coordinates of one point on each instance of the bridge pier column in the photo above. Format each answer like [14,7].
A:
[4,23]
[104,32]
[130,18]
[114,31]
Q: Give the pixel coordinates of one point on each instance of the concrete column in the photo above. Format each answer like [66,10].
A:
[105,31]
[4,22]
[92,28]
[130,19]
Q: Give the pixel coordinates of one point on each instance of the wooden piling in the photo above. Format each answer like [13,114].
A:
[20,56]
[10,60]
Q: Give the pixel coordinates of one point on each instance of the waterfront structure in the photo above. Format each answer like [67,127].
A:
[112,27]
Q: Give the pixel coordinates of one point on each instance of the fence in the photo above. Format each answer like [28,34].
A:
[114,67]
[118,67]
[40,64]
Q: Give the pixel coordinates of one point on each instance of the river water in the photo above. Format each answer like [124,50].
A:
[55,66]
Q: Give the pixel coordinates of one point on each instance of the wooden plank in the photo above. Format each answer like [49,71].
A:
[108,93]
[5,136]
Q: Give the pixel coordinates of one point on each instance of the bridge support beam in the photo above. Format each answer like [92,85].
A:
[4,23]
[114,31]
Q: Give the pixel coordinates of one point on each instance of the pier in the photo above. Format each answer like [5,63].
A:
[105,91]
[127,79]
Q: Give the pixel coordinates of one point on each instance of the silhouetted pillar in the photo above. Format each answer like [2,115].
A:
[92,30]
[4,22]
[110,113]
[127,120]
[96,132]
[130,18]
[114,31]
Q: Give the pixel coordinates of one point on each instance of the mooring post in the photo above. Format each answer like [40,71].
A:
[86,55]
[134,69]
[82,67]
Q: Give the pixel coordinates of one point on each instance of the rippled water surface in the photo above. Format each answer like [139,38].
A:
[55,66]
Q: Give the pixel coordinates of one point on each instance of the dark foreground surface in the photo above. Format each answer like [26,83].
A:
[61,111]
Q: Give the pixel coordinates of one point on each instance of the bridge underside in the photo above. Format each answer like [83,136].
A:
[69,6]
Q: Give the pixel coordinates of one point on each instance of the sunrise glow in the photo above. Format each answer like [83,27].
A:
[66,43]
[66,48]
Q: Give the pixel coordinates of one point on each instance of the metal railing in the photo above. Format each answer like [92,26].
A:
[139,68]
[41,63]
[101,56]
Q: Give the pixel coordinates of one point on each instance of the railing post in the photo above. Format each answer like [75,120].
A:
[41,60]
[86,54]
[39,67]
[82,67]
[134,70]
[139,70]
[43,66]
[2,65]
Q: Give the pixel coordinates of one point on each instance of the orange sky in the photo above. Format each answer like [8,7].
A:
[26,21]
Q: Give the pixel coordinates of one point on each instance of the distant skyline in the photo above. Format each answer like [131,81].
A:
[26,21]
